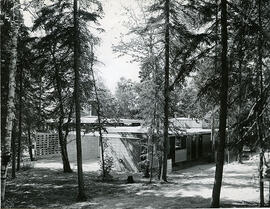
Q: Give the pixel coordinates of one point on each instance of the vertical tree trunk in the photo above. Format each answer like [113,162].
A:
[166,88]
[223,108]
[213,138]
[13,147]
[99,115]
[63,147]
[159,166]
[154,120]
[6,143]
[240,148]
[151,158]
[213,135]
[101,139]
[261,184]
[81,193]
[260,114]
[20,121]
[39,125]
[69,118]
[62,139]
[30,143]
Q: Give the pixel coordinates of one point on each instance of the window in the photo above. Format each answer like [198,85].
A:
[180,142]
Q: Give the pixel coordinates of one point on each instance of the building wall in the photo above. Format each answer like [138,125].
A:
[124,153]
[207,145]
[180,155]
[90,148]
[198,148]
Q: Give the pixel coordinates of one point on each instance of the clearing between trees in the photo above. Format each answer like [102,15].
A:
[46,186]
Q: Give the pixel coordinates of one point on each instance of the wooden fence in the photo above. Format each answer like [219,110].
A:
[47,144]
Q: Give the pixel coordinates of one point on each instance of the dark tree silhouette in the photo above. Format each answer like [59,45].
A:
[81,193]
[223,108]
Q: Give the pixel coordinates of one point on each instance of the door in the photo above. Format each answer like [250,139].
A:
[193,148]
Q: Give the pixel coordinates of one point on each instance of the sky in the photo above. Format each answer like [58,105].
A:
[114,66]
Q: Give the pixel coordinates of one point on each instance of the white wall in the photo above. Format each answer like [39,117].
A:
[119,152]
[90,148]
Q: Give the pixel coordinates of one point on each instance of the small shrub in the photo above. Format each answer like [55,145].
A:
[108,166]
[145,167]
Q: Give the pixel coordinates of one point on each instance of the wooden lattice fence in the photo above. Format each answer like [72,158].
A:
[47,144]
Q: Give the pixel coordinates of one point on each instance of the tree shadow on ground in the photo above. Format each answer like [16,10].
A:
[45,188]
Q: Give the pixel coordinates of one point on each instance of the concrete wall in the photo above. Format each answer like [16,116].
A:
[122,152]
[90,148]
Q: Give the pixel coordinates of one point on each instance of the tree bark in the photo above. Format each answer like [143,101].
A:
[151,157]
[260,114]
[6,143]
[99,116]
[20,121]
[240,148]
[30,143]
[223,108]
[63,147]
[62,139]
[213,138]
[166,89]
[39,126]
[13,147]
[154,125]
[81,193]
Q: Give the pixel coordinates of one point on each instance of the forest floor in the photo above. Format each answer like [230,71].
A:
[46,186]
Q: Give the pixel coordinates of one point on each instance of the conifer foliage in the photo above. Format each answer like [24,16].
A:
[196,57]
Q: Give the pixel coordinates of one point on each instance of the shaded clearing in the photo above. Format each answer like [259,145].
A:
[192,187]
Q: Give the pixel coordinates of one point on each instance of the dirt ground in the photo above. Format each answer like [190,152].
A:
[45,186]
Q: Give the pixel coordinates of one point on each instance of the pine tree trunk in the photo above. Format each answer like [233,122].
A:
[30,143]
[260,114]
[13,148]
[166,89]
[39,126]
[99,116]
[261,184]
[151,159]
[20,122]
[6,143]
[81,193]
[101,142]
[223,108]
[154,125]
[102,148]
[62,139]
[159,167]
[240,149]
[213,138]
[63,147]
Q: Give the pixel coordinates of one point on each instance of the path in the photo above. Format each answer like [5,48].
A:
[56,164]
